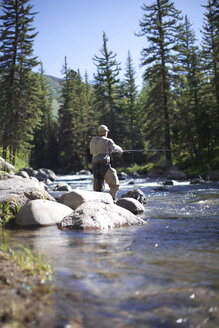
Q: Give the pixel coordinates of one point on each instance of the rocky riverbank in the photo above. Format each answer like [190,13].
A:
[27,192]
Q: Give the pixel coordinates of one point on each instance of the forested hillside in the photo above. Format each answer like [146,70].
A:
[55,86]
[174,117]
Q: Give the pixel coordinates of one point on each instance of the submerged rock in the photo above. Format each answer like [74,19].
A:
[42,212]
[160,189]
[93,215]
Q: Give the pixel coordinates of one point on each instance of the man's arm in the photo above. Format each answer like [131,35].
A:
[113,147]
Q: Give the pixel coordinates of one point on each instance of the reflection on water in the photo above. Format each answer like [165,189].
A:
[162,274]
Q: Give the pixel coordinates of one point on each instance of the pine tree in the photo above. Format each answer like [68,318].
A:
[210,45]
[18,85]
[75,121]
[187,90]
[106,81]
[210,88]
[130,89]
[43,131]
[160,26]
[127,106]
[66,142]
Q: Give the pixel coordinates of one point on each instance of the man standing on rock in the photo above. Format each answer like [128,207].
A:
[101,147]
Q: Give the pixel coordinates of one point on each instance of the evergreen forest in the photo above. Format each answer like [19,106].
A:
[48,122]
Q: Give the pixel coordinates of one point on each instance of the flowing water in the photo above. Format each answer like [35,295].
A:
[162,274]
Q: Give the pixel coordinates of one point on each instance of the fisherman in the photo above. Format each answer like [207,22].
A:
[101,147]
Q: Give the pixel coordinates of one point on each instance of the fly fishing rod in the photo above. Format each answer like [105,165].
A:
[141,150]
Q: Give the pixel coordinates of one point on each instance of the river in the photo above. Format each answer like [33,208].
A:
[162,274]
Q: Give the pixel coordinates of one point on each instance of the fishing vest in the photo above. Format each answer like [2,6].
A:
[99,145]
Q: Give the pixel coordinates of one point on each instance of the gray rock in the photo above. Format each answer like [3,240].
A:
[48,181]
[131,204]
[15,188]
[23,174]
[63,186]
[76,197]
[93,215]
[136,194]
[168,183]
[44,174]
[31,172]
[122,175]
[41,212]
[84,172]
[197,181]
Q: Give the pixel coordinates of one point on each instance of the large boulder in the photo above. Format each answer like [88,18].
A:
[17,189]
[93,215]
[131,204]
[136,194]
[77,197]
[41,212]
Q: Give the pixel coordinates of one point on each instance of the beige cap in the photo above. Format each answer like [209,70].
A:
[102,128]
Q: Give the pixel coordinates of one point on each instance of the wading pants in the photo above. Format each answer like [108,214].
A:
[110,177]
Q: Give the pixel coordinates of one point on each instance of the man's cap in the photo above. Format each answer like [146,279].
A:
[102,128]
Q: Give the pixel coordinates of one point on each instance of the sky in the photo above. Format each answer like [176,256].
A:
[74,29]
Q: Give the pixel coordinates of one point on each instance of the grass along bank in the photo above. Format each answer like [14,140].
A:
[25,287]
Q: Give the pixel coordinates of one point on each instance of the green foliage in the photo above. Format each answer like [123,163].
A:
[8,212]
[21,161]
